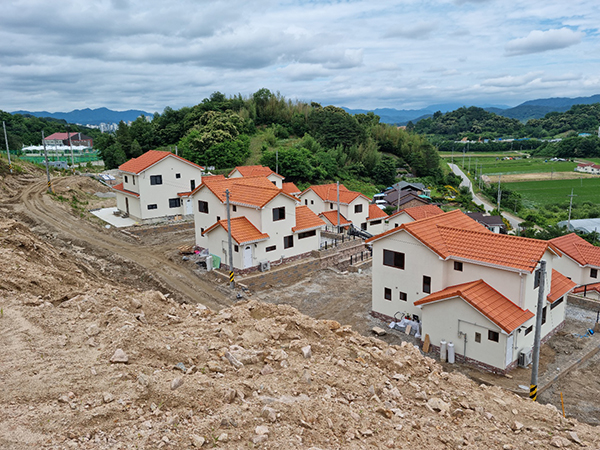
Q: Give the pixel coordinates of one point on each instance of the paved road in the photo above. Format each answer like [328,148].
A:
[479,200]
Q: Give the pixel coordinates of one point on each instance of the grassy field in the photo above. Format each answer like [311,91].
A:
[530,165]
[544,193]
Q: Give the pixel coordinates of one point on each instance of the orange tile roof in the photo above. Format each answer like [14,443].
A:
[306,220]
[328,193]
[420,212]
[375,212]
[331,217]
[589,287]
[119,187]
[255,171]
[151,157]
[455,235]
[559,286]
[578,249]
[242,230]
[488,301]
[254,192]
[290,188]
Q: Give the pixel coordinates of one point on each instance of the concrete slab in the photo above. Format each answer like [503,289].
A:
[107,215]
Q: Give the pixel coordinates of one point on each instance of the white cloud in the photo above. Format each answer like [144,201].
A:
[541,41]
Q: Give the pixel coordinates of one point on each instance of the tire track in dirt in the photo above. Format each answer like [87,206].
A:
[34,203]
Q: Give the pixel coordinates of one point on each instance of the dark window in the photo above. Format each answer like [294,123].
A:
[177,175]
[274,183]
[234,208]
[307,234]
[202,206]
[288,241]
[357,209]
[593,273]
[126,179]
[236,248]
[403,296]
[493,336]
[331,206]
[271,248]
[387,293]
[556,303]
[363,226]
[477,337]
[544,314]
[458,266]
[393,259]
[306,201]
[153,206]
[218,218]
[155,179]
[192,185]
[133,180]
[537,276]
[201,230]
[528,330]
[312,202]
[375,222]
[426,284]
[174,202]
[278,213]
[395,225]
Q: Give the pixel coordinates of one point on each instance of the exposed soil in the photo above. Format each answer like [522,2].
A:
[253,375]
[541,176]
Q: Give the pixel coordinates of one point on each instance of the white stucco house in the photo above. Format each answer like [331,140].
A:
[591,168]
[467,285]
[267,224]
[580,261]
[156,185]
[258,171]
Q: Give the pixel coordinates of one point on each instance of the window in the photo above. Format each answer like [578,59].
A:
[537,276]
[177,175]
[274,183]
[236,248]
[312,202]
[307,234]
[192,185]
[331,206]
[493,336]
[556,303]
[458,266]
[403,296]
[357,209]
[426,284]
[155,179]
[133,180]
[593,273]
[234,208]
[218,218]
[387,294]
[126,179]
[202,206]
[288,241]
[306,201]
[375,222]
[271,248]
[544,314]
[153,206]
[393,259]
[477,337]
[363,226]
[278,213]
[174,202]
[528,330]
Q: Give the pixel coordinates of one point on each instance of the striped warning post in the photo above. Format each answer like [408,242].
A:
[231,277]
[533,392]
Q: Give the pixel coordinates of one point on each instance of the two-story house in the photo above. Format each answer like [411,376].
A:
[468,286]
[267,224]
[156,184]
[354,206]
[580,261]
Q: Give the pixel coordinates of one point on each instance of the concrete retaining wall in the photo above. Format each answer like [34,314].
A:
[148,231]
[583,302]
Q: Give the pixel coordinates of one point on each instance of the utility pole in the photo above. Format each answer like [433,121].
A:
[230,244]
[71,146]
[469,164]
[338,206]
[47,168]
[570,205]
[499,191]
[538,333]
[7,150]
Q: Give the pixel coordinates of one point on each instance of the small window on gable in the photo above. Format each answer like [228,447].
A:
[234,208]
[458,266]
[477,337]
[387,293]
[358,208]
[236,248]
[312,202]
[218,218]
[306,201]
[403,296]
[177,175]
[493,336]
[331,206]
[278,213]
[126,179]
[593,273]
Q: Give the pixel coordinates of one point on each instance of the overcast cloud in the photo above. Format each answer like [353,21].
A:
[134,54]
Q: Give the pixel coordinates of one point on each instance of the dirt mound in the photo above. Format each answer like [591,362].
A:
[88,364]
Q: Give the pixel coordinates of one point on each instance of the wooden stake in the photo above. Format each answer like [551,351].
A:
[563,405]
[426,344]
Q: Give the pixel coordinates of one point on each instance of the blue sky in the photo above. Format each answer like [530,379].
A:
[133,54]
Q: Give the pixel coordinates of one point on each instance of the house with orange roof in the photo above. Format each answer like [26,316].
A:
[580,261]
[267,224]
[354,206]
[258,171]
[291,188]
[467,285]
[411,214]
[157,185]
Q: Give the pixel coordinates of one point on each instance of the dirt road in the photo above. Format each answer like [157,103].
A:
[38,208]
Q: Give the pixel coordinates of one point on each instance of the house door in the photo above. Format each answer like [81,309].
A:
[127,205]
[509,350]
[188,206]
[247,256]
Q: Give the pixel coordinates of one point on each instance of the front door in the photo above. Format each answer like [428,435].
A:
[127,205]
[247,256]
[188,206]
[509,350]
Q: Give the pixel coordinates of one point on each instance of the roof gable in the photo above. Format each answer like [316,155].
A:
[242,230]
[420,212]
[254,171]
[150,158]
[306,219]
[332,218]
[375,212]
[559,286]
[578,249]
[328,193]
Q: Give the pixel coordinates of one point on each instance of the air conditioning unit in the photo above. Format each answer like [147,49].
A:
[525,357]
[263,266]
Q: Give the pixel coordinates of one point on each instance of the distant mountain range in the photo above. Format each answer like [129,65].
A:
[532,109]
[90,116]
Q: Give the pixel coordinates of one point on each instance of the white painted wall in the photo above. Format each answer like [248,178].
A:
[573,270]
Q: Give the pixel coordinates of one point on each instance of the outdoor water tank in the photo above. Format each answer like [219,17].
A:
[450,352]
[443,350]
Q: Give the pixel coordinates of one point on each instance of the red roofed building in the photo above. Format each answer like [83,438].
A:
[467,285]
[63,139]
[588,168]
[257,171]
[156,185]
[580,261]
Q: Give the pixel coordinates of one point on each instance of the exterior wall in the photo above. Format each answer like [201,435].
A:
[314,202]
[202,221]
[398,220]
[377,228]
[571,269]
[134,205]
[356,218]
[170,187]
[131,182]
[276,180]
